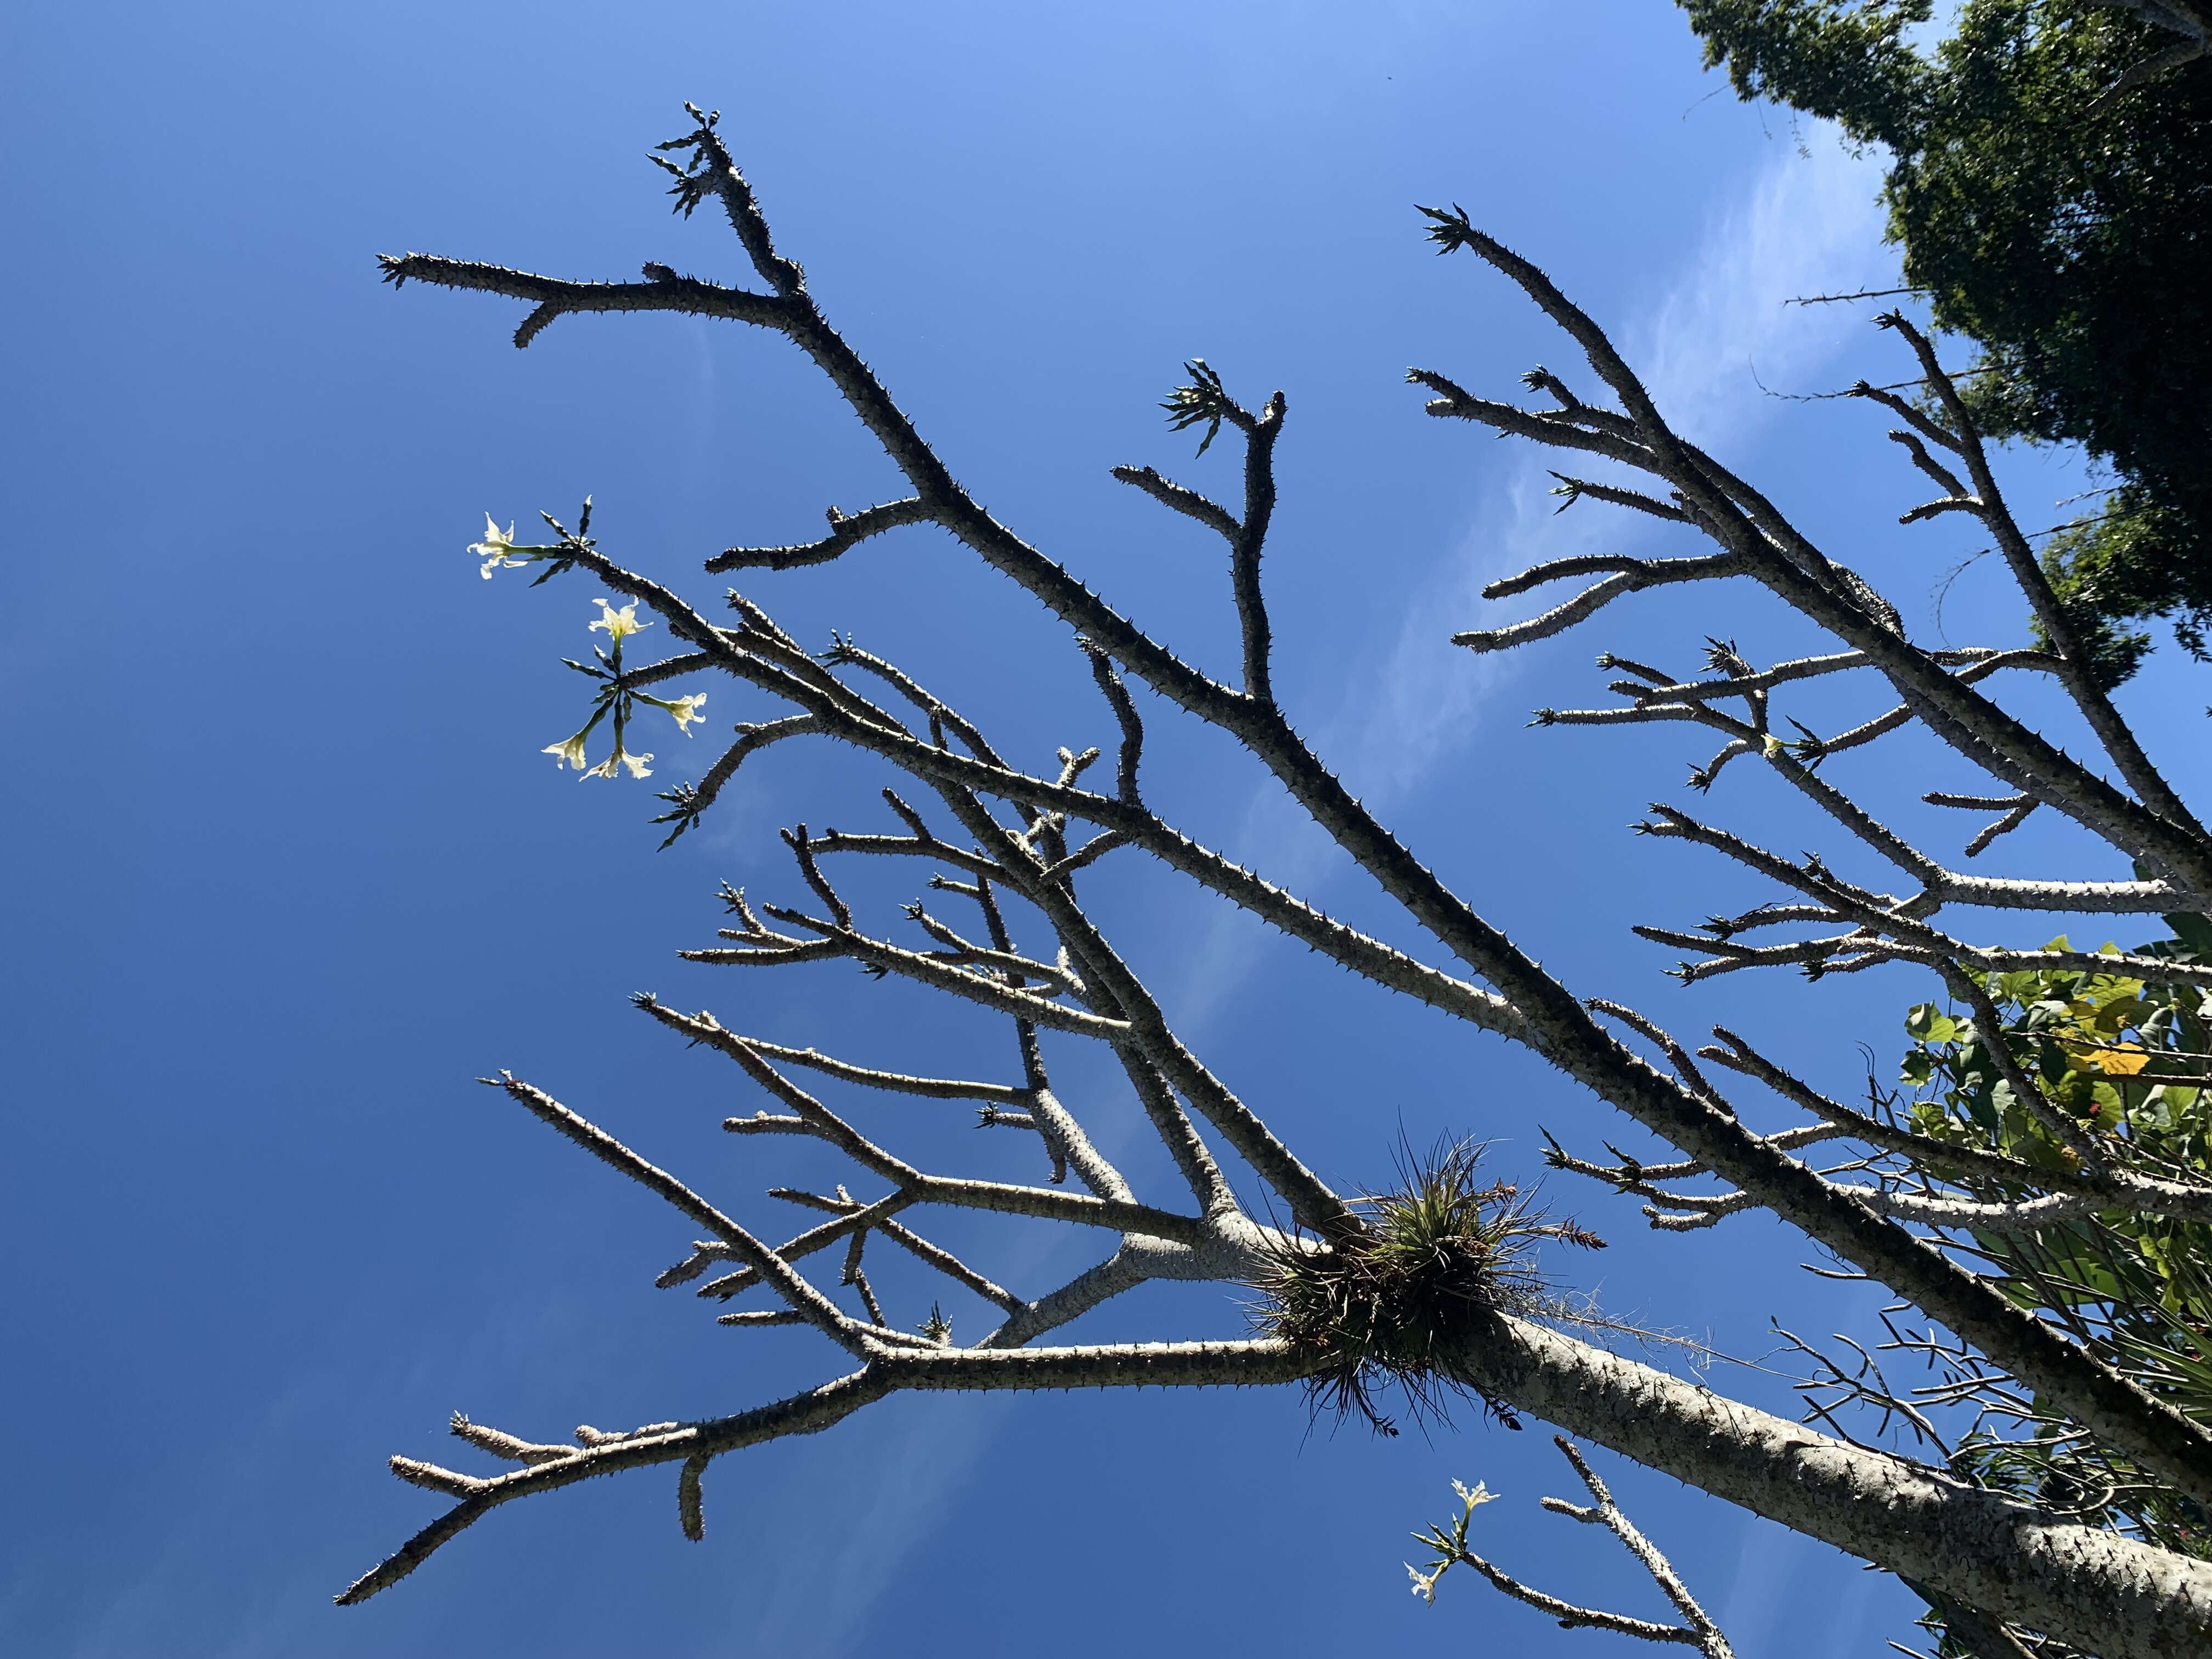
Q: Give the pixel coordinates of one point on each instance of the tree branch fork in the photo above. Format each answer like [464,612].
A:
[1014,845]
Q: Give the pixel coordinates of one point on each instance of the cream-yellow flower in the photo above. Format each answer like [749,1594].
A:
[497,548]
[620,624]
[685,710]
[611,767]
[570,750]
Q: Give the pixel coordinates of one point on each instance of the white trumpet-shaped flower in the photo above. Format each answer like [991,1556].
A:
[612,766]
[620,624]
[497,548]
[684,710]
[569,750]
[1425,1584]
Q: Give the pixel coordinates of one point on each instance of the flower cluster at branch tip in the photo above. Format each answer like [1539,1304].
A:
[1450,1547]
[499,548]
[618,697]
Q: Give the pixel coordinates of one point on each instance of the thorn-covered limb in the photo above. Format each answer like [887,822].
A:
[845,718]
[1019,970]
[1942,887]
[851,1217]
[1176,498]
[1768,916]
[1922,423]
[1248,544]
[760,636]
[1622,575]
[1862,823]
[1628,1169]
[806,1413]
[1312,1201]
[844,652]
[2080,1190]
[1940,506]
[1089,853]
[554,298]
[943,1260]
[1448,1546]
[1997,960]
[950,1265]
[1946,480]
[1677,1056]
[1573,489]
[803,852]
[1803,668]
[688,802]
[932,969]
[779,1275]
[1010,1094]
[846,530]
[1118,699]
[1172,1124]
[1605,1512]
[690,1501]
[1674,1212]
[1835,953]
[1645,714]
[2003,826]
[2149,786]
[1748,527]
[1896,718]
[1593,431]
[868,1298]
[1812,878]
[1073,763]
[507,1446]
[762,1124]
[714,172]
[1122,1214]
[2030,1215]
[1540,379]
[941,852]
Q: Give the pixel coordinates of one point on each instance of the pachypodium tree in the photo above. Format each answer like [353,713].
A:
[1430,1287]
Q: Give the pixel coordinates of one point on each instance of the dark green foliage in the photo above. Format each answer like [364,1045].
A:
[2127,1058]
[1389,1304]
[2070,240]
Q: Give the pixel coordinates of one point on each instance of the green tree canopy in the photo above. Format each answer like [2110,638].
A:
[2052,190]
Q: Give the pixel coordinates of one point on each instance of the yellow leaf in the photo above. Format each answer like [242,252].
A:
[2124,1061]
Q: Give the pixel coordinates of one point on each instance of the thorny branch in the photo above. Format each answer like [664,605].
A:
[1450,1549]
[1015,842]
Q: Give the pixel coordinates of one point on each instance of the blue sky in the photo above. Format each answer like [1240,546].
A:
[290,870]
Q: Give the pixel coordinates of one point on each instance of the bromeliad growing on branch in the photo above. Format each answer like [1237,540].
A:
[1010,845]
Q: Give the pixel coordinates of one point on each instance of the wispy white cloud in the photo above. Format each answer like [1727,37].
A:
[1809,225]
[899,1481]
